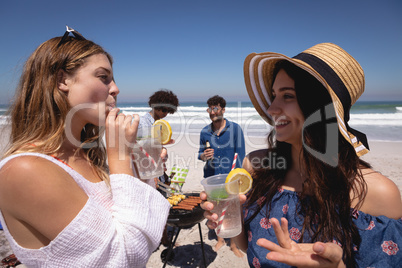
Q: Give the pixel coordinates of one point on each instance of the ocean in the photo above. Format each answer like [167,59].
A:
[379,120]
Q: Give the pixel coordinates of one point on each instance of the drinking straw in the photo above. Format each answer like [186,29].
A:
[222,216]
[148,156]
[234,161]
[220,220]
[225,207]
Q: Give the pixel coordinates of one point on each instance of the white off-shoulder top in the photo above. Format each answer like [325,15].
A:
[119,226]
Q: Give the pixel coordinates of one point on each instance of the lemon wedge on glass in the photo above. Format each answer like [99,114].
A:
[166,130]
[245,181]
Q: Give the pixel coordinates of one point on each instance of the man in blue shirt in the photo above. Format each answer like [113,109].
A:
[225,139]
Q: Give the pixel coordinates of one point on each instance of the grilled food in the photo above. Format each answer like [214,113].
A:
[183,202]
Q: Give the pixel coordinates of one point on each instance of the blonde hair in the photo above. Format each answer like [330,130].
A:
[39,111]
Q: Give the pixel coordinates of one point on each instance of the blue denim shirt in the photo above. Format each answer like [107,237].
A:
[229,142]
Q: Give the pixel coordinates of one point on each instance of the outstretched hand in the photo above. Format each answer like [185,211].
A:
[300,254]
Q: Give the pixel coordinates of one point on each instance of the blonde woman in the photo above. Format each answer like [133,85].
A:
[66,200]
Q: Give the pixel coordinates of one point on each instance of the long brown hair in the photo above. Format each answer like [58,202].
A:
[325,200]
[38,114]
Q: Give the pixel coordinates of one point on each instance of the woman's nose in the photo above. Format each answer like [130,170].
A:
[114,90]
[274,108]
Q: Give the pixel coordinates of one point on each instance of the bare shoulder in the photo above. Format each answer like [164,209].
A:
[29,181]
[38,199]
[254,159]
[23,170]
[31,170]
[383,196]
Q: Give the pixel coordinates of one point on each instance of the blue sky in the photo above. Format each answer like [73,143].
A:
[197,48]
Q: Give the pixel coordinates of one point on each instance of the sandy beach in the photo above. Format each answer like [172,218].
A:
[385,157]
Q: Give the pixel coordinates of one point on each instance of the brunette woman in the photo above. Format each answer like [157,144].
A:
[322,206]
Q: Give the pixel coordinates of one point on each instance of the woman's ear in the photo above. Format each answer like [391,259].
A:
[61,81]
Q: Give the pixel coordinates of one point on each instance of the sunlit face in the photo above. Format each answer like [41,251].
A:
[92,91]
[216,112]
[285,110]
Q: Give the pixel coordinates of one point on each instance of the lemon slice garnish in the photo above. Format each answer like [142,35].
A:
[166,130]
[245,181]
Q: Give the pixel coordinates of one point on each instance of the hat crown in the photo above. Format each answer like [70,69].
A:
[344,65]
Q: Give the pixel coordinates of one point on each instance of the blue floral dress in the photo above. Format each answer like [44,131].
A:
[381,236]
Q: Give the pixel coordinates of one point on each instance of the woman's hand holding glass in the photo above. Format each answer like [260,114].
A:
[208,207]
[121,133]
[300,254]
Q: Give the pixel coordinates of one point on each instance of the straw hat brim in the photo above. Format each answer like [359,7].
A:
[258,71]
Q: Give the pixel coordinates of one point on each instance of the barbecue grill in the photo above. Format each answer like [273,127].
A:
[179,219]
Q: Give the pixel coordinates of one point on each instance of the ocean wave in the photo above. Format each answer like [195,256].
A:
[375,123]
[4,120]
[252,118]
[388,119]
[134,108]
[398,109]
[191,109]
[206,115]
[378,116]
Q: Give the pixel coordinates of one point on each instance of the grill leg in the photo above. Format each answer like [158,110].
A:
[171,247]
[202,245]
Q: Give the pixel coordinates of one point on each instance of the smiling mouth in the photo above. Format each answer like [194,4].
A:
[281,123]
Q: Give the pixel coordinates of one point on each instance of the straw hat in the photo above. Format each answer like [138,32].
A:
[332,66]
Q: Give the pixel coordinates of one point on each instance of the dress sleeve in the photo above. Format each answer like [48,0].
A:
[381,241]
[124,235]
[140,206]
